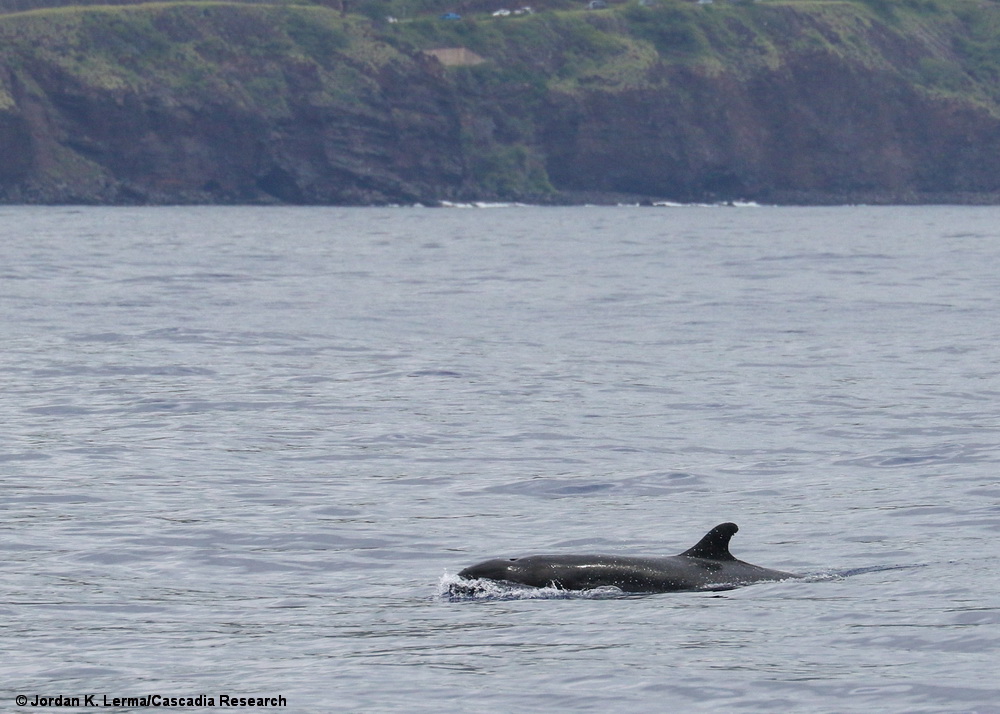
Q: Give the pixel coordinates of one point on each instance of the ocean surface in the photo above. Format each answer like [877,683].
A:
[245,450]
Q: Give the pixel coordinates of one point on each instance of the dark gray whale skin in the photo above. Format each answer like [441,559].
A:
[707,566]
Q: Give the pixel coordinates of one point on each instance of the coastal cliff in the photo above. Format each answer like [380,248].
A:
[808,102]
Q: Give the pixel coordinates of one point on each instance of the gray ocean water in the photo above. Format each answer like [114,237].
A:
[244,451]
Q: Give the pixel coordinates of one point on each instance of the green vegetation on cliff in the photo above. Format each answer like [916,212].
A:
[338,104]
[188,49]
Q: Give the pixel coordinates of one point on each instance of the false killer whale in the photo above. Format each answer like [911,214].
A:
[706,566]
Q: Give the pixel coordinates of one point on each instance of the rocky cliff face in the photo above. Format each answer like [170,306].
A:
[227,123]
[819,131]
[298,104]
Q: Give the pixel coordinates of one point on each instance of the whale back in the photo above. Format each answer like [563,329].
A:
[708,565]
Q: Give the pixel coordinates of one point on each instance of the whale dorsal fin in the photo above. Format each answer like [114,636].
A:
[715,544]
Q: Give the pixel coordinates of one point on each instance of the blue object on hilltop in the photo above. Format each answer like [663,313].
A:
[451,16]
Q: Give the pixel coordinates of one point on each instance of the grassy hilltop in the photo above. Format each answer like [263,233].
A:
[808,100]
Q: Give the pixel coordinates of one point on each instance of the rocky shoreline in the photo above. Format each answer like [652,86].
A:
[258,105]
